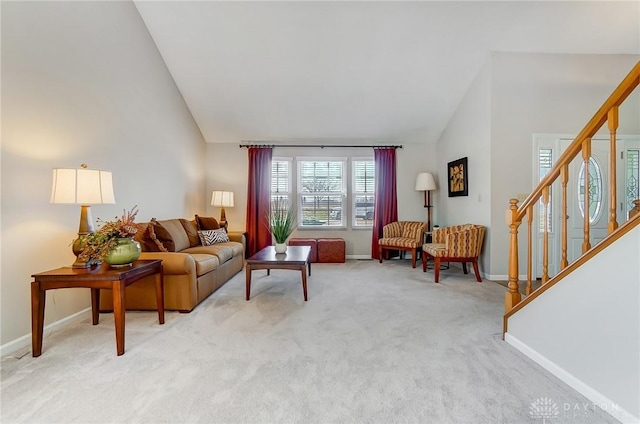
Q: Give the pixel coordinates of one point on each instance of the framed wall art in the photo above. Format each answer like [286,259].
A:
[458,178]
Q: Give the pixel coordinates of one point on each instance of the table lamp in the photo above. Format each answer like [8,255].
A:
[426,183]
[222,199]
[82,187]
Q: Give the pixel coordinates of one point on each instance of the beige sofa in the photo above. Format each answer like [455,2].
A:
[191,271]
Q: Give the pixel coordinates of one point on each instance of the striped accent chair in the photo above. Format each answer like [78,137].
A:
[460,243]
[402,235]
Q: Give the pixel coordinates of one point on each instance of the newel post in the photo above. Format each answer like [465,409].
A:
[512,297]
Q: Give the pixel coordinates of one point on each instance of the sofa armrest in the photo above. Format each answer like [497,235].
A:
[439,235]
[237,236]
[240,237]
[173,263]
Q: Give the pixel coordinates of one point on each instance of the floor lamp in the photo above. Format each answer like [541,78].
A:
[426,183]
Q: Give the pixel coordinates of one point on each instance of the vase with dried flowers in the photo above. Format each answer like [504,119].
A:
[113,242]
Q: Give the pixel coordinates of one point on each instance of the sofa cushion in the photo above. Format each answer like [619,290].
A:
[175,232]
[437,250]
[205,263]
[209,237]
[224,251]
[207,223]
[392,242]
[191,228]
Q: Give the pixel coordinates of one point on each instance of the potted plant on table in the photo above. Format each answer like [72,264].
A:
[113,242]
[282,222]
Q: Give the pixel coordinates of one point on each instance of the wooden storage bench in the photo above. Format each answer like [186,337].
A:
[327,250]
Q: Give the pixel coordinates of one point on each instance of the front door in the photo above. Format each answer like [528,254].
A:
[597,186]
[549,148]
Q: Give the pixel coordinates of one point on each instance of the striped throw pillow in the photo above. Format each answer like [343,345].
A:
[209,237]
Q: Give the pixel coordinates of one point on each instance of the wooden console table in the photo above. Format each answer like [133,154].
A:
[97,278]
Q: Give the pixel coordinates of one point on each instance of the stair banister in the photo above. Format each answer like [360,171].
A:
[608,112]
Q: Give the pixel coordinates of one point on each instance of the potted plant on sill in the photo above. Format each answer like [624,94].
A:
[282,222]
[113,242]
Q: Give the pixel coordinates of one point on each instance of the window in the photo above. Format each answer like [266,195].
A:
[280,182]
[363,185]
[321,193]
[545,159]
[324,196]
[632,178]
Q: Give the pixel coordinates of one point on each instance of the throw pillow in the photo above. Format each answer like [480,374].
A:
[207,223]
[192,232]
[209,237]
[161,236]
[144,238]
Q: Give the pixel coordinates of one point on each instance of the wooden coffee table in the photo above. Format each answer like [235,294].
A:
[97,278]
[296,258]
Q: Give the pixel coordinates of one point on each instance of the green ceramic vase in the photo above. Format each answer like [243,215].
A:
[126,251]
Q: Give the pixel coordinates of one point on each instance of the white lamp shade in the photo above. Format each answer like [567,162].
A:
[425,182]
[222,199]
[82,186]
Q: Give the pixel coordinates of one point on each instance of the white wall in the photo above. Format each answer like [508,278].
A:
[82,82]
[543,93]
[227,169]
[514,96]
[586,328]
[468,134]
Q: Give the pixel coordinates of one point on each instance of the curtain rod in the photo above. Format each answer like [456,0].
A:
[322,146]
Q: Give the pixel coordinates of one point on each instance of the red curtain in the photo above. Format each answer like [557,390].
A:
[258,199]
[385,207]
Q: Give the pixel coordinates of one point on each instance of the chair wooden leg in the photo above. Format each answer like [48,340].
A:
[380,253]
[413,258]
[437,269]
[464,267]
[475,269]
[424,261]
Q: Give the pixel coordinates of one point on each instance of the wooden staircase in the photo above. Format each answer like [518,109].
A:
[557,179]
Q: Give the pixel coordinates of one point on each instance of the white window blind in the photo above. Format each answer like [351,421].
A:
[321,193]
[280,182]
[362,192]
[545,159]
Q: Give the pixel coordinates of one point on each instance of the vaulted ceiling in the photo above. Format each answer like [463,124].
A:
[375,71]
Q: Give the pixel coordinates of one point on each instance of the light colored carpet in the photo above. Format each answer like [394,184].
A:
[375,343]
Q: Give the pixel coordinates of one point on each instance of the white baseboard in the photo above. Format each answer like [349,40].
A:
[504,277]
[359,257]
[25,341]
[492,277]
[581,387]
